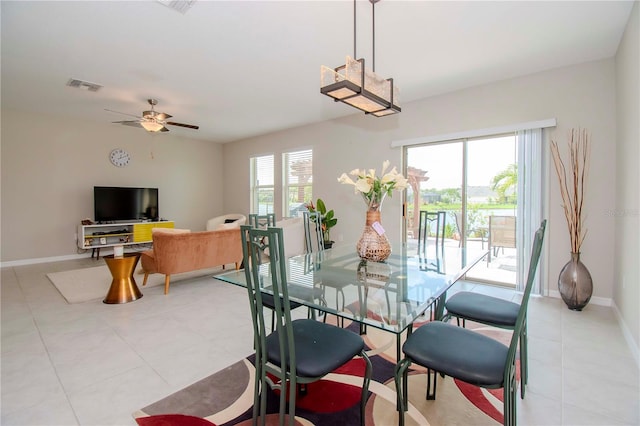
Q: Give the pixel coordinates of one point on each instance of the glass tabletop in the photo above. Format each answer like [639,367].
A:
[388,295]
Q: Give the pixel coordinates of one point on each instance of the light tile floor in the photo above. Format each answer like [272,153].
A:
[95,364]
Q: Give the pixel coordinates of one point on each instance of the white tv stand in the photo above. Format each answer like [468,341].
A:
[99,236]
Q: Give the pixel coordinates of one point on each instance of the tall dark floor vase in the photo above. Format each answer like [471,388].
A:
[575,283]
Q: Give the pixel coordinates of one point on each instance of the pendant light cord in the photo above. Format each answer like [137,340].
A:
[373,18]
[354,30]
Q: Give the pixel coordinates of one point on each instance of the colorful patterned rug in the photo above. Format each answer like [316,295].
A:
[226,397]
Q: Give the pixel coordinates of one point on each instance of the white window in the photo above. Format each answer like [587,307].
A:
[297,181]
[262,186]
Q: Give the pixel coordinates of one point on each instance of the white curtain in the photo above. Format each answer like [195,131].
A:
[530,209]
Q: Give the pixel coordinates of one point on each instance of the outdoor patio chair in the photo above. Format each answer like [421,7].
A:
[480,231]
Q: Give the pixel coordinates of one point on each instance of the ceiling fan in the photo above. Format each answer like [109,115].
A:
[152,120]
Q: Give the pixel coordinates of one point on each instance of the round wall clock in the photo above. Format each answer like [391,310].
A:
[119,157]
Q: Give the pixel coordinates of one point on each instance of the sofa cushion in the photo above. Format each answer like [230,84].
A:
[222,222]
[293,235]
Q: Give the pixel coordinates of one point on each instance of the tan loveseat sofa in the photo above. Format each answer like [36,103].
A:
[175,252]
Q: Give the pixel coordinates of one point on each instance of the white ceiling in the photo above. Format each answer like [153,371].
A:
[239,68]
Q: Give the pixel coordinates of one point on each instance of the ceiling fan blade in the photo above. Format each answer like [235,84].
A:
[129,123]
[189,126]
[162,116]
[164,129]
[123,113]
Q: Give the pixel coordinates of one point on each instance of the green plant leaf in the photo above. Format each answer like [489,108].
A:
[321,207]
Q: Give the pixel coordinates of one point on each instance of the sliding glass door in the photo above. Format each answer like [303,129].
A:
[474,181]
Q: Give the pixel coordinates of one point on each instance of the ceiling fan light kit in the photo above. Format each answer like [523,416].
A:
[153,121]
[152,126]
[358,86]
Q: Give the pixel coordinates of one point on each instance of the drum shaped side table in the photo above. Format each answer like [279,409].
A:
[123,287]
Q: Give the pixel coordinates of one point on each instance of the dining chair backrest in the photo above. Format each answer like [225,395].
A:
[426,220]
[256,242]
[262,221]
[522,313]
[313,231]
[297,352]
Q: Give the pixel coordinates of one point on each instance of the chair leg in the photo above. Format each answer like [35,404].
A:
[506,415]
[431,393]
[524,365]
[400,378]
[167,279]
[292,401]
[256,393]
[365,386]
[146,277]
[260,393]
[509,397]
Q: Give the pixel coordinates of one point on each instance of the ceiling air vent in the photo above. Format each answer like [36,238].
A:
[83,85]
[178,5]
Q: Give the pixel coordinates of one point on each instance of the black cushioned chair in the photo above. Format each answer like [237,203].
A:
[467,355]
[297,352]
[495,312]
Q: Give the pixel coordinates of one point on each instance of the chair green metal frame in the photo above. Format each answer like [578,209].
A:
[461,336]
[426,218]
[262,221]
[479,309]
[292,356]
[313,225]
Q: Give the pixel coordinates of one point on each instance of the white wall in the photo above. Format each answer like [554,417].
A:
[50,165]
[627,209]
[577,96]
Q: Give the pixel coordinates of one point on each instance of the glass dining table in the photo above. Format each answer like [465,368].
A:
[389,295]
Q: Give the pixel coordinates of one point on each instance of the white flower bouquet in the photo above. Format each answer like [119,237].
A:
[374,189]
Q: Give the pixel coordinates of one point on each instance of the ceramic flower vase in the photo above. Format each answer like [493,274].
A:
[373,245]
[575,284]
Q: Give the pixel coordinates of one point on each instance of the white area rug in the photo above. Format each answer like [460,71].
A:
[83,285]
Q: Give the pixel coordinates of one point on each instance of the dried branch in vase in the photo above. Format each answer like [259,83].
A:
[572,187]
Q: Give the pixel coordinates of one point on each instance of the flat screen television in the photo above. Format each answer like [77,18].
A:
[118,204]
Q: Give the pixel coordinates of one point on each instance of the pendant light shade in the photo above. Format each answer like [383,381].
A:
[358,86]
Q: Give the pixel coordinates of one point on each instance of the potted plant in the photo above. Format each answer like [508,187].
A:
[327,220]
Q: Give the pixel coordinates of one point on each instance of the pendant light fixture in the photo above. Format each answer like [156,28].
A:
[358,86]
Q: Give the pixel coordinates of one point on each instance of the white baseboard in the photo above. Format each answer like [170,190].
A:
[633,346]
[600,301]
[23,262]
